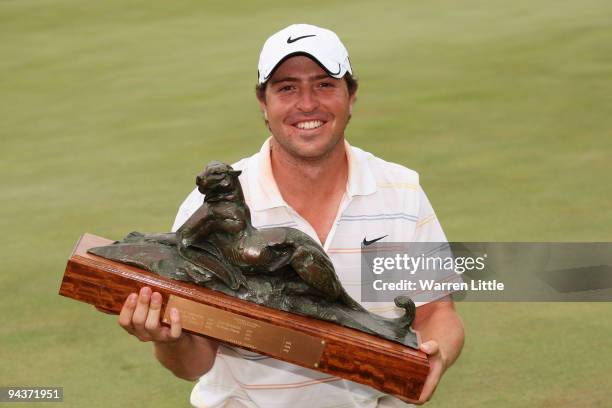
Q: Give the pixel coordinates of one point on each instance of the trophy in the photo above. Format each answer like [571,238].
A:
[272,291]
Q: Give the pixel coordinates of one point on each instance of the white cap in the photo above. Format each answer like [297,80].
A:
[321,44]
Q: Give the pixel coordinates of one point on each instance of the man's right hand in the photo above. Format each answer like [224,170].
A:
[188,356]
[140,316]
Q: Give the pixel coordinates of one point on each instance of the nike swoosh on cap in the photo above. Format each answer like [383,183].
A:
[336,73]
[292,40]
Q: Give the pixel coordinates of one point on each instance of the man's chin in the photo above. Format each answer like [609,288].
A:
[307,145]
[313,151]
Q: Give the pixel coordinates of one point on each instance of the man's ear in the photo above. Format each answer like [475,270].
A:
[263,107]
[261,98]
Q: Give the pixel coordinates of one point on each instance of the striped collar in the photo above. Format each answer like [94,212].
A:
[264,193]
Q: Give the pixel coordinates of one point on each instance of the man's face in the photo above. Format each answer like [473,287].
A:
[307,109]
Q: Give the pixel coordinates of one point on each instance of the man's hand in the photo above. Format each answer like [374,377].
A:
[437,366]
[140,316]
[442,332]
[186,355]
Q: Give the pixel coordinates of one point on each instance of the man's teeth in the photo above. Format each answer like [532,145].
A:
[310,124]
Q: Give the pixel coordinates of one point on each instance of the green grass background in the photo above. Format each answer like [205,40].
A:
[108,109]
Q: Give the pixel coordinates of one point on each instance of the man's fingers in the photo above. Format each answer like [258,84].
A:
[152,322]
[127,311]
[175,324]
[431,383]
[140,316]
[432,349]
[152,325]
[140,313]
[429,347]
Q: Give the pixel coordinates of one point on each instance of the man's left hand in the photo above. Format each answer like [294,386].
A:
[437,366]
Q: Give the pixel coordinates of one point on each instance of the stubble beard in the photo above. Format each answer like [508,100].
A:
[294,153]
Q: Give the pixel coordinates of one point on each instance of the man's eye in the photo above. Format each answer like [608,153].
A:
[286,88]
[326,85]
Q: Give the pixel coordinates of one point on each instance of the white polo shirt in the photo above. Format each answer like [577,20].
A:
[381,198]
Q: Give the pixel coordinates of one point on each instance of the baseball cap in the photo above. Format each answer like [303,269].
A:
[321,44]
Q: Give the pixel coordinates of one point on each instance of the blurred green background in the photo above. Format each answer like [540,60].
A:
[108,109]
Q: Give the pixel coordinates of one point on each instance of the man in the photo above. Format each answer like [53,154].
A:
[308,177]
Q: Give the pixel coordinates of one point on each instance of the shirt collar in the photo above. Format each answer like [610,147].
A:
[264,190]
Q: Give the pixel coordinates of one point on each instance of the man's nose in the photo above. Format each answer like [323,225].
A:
[308,101]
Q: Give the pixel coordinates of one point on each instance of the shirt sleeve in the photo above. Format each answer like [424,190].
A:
[428,228]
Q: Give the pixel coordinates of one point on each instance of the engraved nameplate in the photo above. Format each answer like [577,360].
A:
[245,332]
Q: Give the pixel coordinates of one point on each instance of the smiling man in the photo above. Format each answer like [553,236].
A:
[307,176]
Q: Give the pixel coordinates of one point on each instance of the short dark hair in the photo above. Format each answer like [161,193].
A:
[351,83]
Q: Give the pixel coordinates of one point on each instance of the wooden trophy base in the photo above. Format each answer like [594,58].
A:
[336,350]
